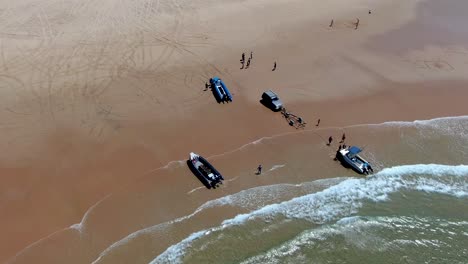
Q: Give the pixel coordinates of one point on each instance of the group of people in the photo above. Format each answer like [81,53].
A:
[242,60]
[249,60]
[330,139]
[356,24]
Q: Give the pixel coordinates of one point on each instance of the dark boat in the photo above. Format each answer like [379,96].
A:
[204,171]
[349,158]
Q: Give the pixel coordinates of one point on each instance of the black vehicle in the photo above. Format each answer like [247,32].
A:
[271,100]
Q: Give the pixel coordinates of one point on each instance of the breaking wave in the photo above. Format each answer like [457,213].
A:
[344,199]
[365,233]
[250,199]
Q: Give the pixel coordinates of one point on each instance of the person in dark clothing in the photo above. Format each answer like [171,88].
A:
[330,139]
[331,23]
[248,63]
[251,55]
[274,66]
[343,138]
[318,122]
[243,56]
[259,169]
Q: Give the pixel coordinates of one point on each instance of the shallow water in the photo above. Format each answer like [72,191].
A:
[413,210]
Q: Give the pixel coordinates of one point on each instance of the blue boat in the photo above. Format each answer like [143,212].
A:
[220,90]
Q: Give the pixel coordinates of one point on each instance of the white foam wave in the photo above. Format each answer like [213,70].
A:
[80,226]
[346,198]
[451,126]
[421,122]
[275,167]
[362,227]
[249,199]
[196,189]
[448,124]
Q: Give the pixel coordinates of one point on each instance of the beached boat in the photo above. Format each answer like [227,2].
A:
[350,158]
[204,171]
[220,90]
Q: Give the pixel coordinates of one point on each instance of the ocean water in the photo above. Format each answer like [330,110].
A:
[414,209]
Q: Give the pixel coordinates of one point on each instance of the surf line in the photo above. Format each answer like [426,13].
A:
[196,189]
[203,187]
[275,167]
[79,227]
[345,199]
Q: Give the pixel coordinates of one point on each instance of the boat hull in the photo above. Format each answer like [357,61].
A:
[355,162]
[204,171]
[220,90]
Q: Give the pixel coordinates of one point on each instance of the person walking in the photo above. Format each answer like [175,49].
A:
[251,55]
[343,138]
[330,139]
[318,122]
[274,66]
[331,23]
[259,169]
[248,63]
[243,56]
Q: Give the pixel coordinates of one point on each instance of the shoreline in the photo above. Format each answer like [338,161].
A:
[284,129]
[98,119]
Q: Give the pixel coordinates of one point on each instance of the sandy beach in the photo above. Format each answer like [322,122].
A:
[103,101]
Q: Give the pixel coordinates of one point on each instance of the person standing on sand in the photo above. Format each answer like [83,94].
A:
[331,23]
[259,169]
[243,57]
[248,63]
[357,23]
[330,139]
[318,122]
[251,55]
[274,66]
[343,138]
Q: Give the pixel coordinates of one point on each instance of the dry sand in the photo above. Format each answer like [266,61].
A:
[97,96]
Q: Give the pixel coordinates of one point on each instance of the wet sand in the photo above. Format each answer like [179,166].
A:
[95,112]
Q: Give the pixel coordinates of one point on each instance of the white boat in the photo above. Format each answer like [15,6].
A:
[350,158]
